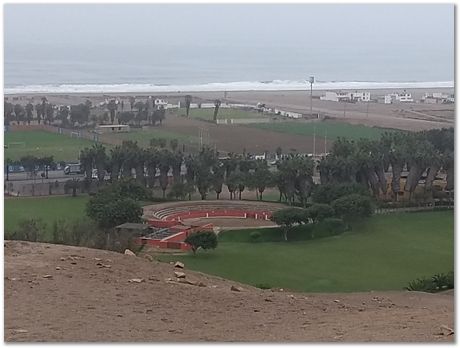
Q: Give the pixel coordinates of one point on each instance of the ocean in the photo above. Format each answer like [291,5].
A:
[211,66]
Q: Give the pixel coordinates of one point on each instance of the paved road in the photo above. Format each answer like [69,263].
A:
[53,175]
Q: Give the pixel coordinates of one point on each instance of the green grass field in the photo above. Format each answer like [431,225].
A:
[331,129]
[208,114]
[41,143]
[143,137]
[47,208]
[380,253]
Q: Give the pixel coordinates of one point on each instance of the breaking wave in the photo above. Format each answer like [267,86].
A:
[275,85]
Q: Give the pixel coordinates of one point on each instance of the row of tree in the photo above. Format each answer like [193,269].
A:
[47,113]
[421,154]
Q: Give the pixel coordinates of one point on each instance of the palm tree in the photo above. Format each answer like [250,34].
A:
[176,165]
[218,172]
[116,162]
[217,104]
[87,161]
[397,156]
[100,160]
[164,166]
[112,107]
[29,112]
[188,101]
[152,161]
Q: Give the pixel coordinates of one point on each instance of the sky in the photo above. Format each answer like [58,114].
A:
[430,26]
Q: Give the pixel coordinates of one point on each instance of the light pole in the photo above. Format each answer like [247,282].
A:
[311,80]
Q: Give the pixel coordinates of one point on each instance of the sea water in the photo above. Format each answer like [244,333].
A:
[215,66]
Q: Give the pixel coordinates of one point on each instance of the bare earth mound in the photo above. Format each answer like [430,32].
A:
[62,293]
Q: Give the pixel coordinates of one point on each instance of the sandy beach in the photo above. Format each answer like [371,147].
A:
[406,116]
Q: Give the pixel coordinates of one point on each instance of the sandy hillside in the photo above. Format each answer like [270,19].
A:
[61,293]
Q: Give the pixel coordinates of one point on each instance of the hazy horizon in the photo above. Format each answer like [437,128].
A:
[183,44]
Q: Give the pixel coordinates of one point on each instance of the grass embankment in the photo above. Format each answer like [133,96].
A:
[48,209]
[208,114]
[380,253]
[332,130]
[143,137]
[41,143]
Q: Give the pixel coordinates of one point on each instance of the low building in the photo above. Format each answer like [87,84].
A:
[346,96]
[438,98]
[112,128]
[404,97]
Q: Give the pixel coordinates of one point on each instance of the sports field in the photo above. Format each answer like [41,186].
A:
[143,137]
[41,143]
[380,253]
[331,130]
[48,209]
[208,114]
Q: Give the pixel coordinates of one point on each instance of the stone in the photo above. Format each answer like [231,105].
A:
[236,288]
[62,259]
[185,281]
[336,301]
[179,274]
[179,264]
[19,331]
[58,268]
[48,276]
[148,257]
[97,259]
[201,284]
[445,330]
[129,252]
[136,280]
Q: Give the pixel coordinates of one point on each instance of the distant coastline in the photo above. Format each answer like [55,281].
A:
[276,85]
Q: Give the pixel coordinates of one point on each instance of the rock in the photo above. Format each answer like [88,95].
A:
[58,268]
[48,276]
[148,257]
[155,279]
[19,331]
[179,264]
[97,259]
[445,330]
[236,288]
[73,263]
[336,301]
[136,280]
[201,285]
[179,274]
[62,259]
[185,281]
[129,252]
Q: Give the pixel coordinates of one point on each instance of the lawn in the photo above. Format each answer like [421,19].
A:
[332,130]
[143,137]
[41,143]
[47,208]
[380,253]
[208,114]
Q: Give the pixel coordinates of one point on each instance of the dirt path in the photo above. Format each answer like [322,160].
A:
[87,296]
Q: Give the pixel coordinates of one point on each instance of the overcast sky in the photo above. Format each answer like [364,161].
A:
[306,24]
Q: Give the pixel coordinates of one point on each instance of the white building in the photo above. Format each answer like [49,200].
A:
[398,98]
[438,98]
[346,96]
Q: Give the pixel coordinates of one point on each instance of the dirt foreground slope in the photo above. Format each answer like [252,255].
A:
[61,293]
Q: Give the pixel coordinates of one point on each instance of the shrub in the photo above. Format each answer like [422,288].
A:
[263,286]
[352,206]
[318,212]
[205,240]
[438,282]
[31,230]
[255,236]
[329,227]
[327,193]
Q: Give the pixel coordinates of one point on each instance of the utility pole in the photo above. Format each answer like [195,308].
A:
[325,143]
[314,141]
[344,108]
[311,80]
[367,109]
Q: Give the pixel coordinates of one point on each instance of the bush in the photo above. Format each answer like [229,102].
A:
[78,233]
[329,227]
[438,282]
[318,212]
[205,240]
[353,206]
[263,286]
[328,193]
[32,230]
[255,236]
